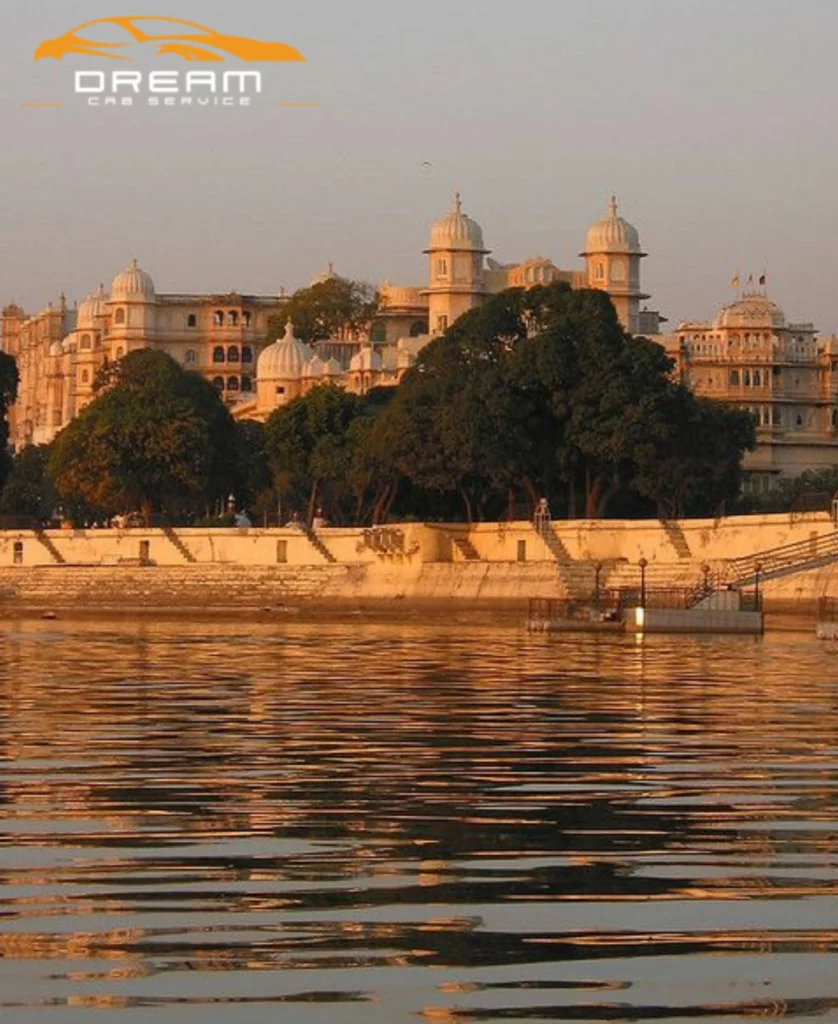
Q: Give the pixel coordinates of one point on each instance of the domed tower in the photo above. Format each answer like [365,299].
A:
[280,372]
[456,256]
[132,307]
[613,256]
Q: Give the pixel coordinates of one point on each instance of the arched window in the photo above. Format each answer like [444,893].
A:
[232,383]
[233,354]
[746,378]
[247,354]
[799,420]
[191,320]
[218,354]
[85,341]
[418,329]
[191,357]
[734,378]
[119,316]
[218,318]
[757,379]
[85,377]
[247,383]
[442,268]
[218,383]
[247,318]
[233,319]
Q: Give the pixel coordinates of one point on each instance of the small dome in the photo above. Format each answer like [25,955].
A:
[94,306]
[366,360]
[332,368]
[56,348]
[132,284]
[752,311]
[457,231]
[612,234]
[314,367]
[286,359]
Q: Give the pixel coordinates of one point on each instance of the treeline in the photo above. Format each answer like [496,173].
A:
[539,393]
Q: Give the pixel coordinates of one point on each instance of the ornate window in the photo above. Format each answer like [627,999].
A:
[119,316]
[233,384]
[218,383]
[233,354]
[218,318]
[85,341]
[85,376]
[247,318]
[247,383]
[442,268]
[191,357]
[233,319]
[192,320]
[247,354]
[734,378]
[218,354]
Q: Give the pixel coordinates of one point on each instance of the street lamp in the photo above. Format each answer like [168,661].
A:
[643,563]
[706,571]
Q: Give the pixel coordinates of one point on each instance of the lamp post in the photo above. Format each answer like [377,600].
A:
[643,563]
[705,569]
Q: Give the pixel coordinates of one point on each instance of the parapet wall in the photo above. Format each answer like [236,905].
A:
[421,563]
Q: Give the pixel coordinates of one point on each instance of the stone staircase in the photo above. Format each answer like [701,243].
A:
[46,541]
[468,551]
[319,546]
[173,539]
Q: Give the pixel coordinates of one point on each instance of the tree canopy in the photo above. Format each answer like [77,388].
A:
[327,309]
[9,379]
[158,439]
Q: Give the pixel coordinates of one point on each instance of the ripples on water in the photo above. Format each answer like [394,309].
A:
[333,824]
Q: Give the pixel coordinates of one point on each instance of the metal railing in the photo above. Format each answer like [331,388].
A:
[788,557]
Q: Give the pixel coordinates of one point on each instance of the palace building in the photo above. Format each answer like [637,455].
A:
[60,351]
[751,357]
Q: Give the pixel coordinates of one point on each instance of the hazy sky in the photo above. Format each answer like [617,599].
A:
[712,120]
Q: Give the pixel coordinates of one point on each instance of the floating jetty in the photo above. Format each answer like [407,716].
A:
[651,611]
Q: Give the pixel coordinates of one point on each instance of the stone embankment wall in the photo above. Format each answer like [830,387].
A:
[493,565]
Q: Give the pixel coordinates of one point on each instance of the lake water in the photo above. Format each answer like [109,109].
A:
[372,824]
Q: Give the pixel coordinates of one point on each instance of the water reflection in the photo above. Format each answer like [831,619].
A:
[374,824]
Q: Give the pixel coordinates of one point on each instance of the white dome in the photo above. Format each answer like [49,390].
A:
[332,368]
[56,348]
[93,306]
[314,367]
[612,234]
[457,231]
[132,283]
[366,359]
[753,311]
[286,359]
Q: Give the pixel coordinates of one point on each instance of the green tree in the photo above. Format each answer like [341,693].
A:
[327,309]
[29,490]
[158,439]
[318,454]
[9,379]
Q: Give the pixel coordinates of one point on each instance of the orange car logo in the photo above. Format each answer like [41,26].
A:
[185,39]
